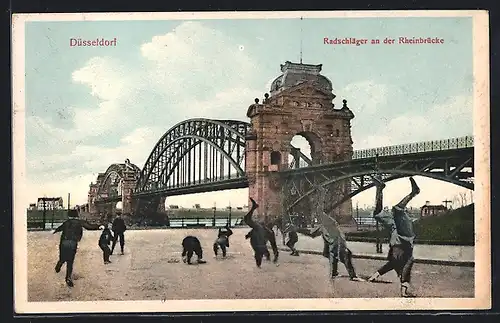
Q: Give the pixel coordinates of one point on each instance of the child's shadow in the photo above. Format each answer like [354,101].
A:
[380,282]
[220,258]
[375,281]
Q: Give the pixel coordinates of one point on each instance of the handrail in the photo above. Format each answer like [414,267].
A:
[418,147]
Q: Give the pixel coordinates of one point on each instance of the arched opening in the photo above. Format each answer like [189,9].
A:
[302,147]
[120,187]
[275,158]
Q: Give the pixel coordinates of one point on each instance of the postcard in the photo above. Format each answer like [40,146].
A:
[251,161]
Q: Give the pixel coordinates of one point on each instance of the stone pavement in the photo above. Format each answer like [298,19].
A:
[151,270]
[430,254]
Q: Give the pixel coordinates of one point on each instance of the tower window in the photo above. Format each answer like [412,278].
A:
[329,128]
[337,132]
[275,158]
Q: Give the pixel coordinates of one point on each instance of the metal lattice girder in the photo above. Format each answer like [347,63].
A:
[175,162]
[453,166]
[177,145]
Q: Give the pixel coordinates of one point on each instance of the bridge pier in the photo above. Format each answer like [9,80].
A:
[129,181]
[265,189]
[161,206]
[93,209]
[111,208]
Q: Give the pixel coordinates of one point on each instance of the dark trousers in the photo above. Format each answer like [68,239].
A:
[122,241]
[223,243]
[190,251]
[292,240]
[259,253]
[402,266]
[336,252]
[106,252]
[67,252]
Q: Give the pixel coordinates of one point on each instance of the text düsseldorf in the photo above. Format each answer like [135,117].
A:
[98,42]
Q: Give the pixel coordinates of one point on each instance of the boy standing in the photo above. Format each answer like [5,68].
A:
[104,242]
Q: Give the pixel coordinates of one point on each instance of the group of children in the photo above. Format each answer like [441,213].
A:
[397,222]
[106,238]
[191,245]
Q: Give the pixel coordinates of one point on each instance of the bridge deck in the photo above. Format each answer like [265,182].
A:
[145,273]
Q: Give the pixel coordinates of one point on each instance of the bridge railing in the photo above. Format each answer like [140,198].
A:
[418,147]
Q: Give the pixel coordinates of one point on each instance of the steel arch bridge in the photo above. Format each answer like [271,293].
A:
[198,155]
[194,156]
[203,155]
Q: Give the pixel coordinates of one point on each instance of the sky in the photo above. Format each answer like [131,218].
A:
[87,108]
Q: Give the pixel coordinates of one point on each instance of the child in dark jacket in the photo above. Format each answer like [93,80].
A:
[104,242]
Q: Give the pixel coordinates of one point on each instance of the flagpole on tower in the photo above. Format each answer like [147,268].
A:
[300,40]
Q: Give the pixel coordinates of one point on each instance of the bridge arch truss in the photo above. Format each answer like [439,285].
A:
[345,180]
[197,152]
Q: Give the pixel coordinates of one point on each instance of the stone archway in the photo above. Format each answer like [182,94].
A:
[300,104]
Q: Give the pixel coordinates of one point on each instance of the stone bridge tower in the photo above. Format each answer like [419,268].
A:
[128,183]
[94,209]
[300,103]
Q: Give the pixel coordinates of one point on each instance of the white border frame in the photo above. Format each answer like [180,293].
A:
[482,299]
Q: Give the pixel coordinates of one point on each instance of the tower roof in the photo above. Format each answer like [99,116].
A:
[294,74]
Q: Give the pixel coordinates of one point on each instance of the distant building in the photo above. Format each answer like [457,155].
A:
[51,203]
[32,206]
[431,210]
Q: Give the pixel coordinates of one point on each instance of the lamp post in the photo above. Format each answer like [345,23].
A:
[357,216]
[213,220]
[53,216]
[44,199]
[378,242]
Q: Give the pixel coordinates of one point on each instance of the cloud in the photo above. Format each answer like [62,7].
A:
[186,59]
[179,75]
[106,78]
[367,142]
[365,97]
[445,120]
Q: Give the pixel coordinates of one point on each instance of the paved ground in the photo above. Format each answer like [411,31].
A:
[150,269]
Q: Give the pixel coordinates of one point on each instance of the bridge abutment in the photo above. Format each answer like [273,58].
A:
[161,206]
[128,183]
[92,196]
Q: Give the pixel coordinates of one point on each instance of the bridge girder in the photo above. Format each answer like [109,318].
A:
[185,136]
[228,137]
[451,166]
